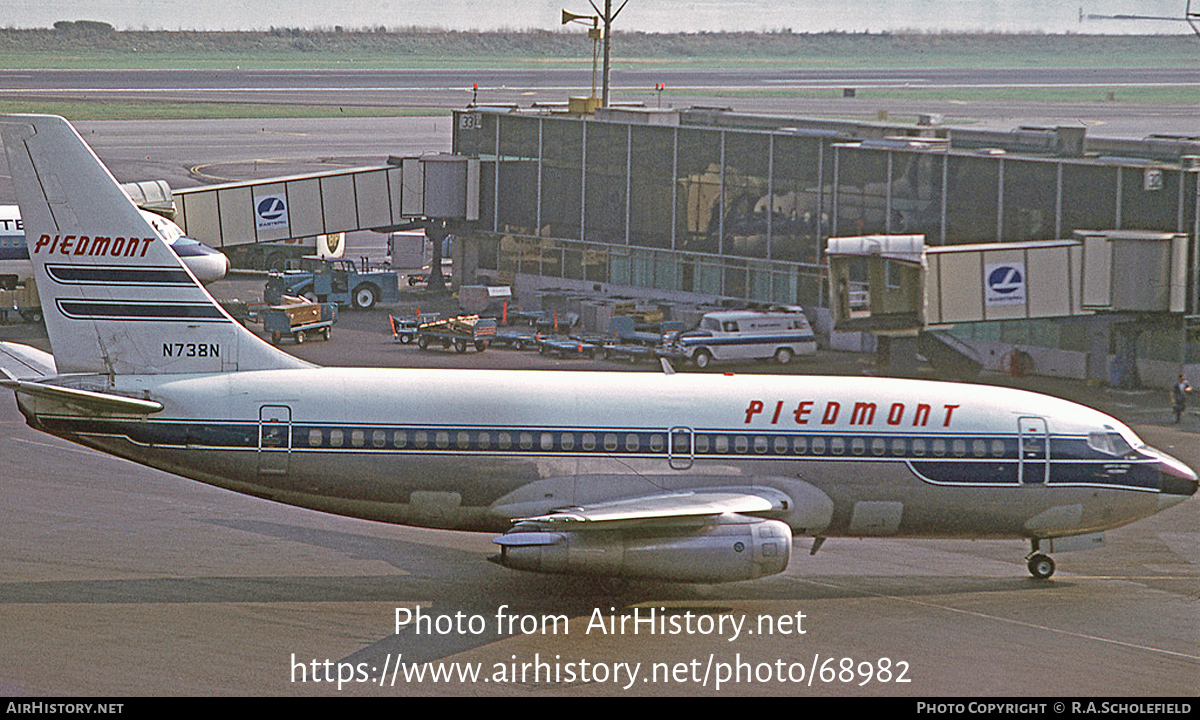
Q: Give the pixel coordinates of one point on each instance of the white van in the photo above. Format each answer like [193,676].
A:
[744,335]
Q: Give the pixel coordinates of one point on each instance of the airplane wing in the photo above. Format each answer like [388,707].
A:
[665,508]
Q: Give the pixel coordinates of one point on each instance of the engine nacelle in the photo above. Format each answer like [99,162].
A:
[734,548]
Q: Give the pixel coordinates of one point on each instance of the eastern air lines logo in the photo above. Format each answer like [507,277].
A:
[1005,284]
[270,211]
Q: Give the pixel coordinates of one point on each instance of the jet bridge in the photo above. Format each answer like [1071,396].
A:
[398,195]
[899,289]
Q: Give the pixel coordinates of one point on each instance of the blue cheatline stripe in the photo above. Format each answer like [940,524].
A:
[116,275]
[753,340]
[137,311]
[943,469]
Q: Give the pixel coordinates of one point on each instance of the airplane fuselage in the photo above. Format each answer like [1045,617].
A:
[473,449]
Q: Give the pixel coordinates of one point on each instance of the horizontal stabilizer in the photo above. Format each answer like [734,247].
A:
[687,504]
[26,363]
[87,400]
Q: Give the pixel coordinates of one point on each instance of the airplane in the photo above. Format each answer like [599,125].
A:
[207,264]
[698,478]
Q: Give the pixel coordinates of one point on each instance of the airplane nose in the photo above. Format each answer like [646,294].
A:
[1174,477]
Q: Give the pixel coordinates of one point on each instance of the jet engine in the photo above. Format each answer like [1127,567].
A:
[733,547]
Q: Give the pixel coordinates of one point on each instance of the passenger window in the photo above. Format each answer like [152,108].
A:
[503,440]
[998,448]
[760,444]
[420,438]
[898,447]
[588,441]
[918,447]
[741,443]
[610,441]
[701,444]
[378,438]
[632,442]
[959,447]
[336,438]
[547,441]
[463,440]
[442,439]
[781,445]
[485,440]
[979,448]
[721,444]
[526,440]
[358,438]
[837,445]
[800,445]
[878,446]
[315,438]
[818,446]
[400,438]
[858,446]
[656,443]
[939,447]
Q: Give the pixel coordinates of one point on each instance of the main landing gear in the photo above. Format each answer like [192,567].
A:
[1040,566]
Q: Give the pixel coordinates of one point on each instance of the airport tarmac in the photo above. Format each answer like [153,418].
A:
[120,580]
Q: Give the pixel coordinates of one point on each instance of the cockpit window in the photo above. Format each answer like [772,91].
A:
[1110,443]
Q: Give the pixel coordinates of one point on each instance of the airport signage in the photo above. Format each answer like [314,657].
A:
[270,211]
[1004,284]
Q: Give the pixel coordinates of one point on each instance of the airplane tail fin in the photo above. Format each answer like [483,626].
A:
[115,297]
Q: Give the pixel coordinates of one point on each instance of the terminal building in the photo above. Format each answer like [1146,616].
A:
[1038,250]
[709,202]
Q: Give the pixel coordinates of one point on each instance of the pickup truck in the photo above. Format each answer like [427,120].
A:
[336,281]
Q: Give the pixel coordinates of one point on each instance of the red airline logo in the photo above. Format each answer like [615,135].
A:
[93,246]
[860,413]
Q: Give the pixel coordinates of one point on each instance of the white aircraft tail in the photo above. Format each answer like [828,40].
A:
[115,297]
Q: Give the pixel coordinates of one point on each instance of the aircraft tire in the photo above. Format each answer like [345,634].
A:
[1041,566]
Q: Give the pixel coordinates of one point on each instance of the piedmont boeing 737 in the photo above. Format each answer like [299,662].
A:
[694,478]
[207,264]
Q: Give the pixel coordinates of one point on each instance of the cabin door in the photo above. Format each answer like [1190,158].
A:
[274,439]
[1034,450]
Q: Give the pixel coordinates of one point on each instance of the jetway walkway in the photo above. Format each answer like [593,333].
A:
[904,292]
[398,195]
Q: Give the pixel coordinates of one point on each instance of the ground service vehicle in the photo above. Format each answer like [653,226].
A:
[300,321]
[460,332]
[743,335]
[337,281]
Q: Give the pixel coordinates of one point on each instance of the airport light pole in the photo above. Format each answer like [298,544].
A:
[607,15]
